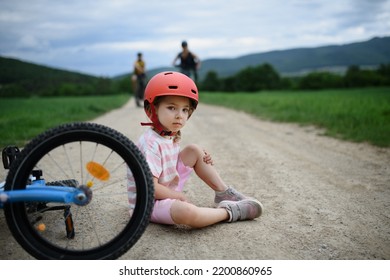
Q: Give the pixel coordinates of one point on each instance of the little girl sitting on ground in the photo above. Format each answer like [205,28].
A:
[170,99]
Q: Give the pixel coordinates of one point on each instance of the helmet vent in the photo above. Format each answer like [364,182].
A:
[172,87]
[193,91]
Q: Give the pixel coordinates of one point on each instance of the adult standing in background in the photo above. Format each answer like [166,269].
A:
[138,79]
[189,62]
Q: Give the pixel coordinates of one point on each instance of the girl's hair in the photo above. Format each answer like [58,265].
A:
[157,101]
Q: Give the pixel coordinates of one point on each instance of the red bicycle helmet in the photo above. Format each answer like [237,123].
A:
[171,83]
[164,84]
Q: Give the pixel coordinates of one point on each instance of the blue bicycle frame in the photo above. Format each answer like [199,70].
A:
[38,191]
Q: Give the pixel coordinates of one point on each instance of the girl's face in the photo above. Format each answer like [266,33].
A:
[173,112]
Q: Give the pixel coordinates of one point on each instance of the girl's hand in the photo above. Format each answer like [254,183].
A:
[207,158]
[181,196]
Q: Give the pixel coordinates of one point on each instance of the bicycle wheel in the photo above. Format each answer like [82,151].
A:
[91,155]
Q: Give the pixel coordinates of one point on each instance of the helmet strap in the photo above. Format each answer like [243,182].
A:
[157,126]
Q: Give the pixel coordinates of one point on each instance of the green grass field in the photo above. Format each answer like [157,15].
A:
[360,115]
[23,118]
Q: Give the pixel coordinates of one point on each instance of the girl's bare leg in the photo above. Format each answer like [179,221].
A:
[192,156]
[185,213]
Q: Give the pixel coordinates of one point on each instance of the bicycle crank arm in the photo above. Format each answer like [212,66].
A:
[79,196]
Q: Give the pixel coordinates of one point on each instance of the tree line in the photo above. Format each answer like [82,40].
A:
[265,77]
[18,79]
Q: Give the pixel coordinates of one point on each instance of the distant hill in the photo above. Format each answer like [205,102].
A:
[15,70]
[19,78]
[297,61]
[301,61]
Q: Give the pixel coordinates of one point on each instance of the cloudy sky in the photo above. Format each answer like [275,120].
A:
[102,37]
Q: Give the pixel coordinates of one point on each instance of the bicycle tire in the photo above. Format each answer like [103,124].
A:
[107,197]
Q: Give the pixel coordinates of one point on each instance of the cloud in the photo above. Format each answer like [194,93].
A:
[102,37]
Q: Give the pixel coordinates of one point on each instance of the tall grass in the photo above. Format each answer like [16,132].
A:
[22,119]
[361,115]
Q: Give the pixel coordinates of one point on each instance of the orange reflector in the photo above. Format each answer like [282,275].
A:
[41,227]
[98,171]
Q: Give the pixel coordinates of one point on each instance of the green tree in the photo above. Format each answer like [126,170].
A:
[246,79]
[321,80]
[123,85]
[228,84]
[384,71]
[257,78]
[355,77]
[211,82]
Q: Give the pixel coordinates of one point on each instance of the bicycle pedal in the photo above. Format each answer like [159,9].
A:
[70,233]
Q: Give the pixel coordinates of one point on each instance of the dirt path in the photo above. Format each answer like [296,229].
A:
[323,198]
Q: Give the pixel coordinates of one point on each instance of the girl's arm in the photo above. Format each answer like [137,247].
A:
[162,192]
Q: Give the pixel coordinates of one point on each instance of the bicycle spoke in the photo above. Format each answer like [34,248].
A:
[69,161]
[98,163]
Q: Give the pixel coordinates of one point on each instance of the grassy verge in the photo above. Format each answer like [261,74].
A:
[22,119]
[360,115]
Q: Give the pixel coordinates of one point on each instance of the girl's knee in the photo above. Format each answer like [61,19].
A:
[193,149]
[184,213]
[191,154]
